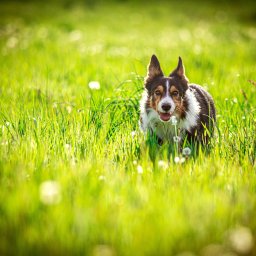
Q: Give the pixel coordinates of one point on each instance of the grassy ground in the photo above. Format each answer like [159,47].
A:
[75,173]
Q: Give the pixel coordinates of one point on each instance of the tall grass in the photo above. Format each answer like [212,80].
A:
[75,171]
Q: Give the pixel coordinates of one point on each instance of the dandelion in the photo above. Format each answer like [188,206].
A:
[176,139]
[186,151]
[50,192]
[102,178]
[94,85]
[12,42]
[135,162]
[182,160]
[133,133]
[176,159]
[139,169]
[174,120]
[103,250]
[69,109]
[4,143]
[67,148]
[75,36]
[7,123]
[162,164]
[241,240]
[179,160]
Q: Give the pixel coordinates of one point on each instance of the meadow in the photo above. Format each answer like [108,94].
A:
[75,173]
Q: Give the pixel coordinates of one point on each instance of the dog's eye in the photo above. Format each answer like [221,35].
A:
[157,93]
[175,93]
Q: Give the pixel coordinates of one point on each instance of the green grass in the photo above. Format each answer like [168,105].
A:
[107,198]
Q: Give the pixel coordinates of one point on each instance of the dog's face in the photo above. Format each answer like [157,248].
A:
[165,94]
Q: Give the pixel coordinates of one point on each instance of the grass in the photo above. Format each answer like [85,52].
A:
[75,172]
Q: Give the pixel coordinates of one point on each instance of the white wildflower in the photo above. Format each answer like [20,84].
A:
[69,109]
[176,159]
[186,151]
[12,42]
[75,36]
[176,139]
[241,240]
[182,160]
[179,160]
[235,100]
[162,164]
[102,178]
[103,250]
[67,146]
[94,85]
[50,192]
[174,120]
[133,133]
[139,169]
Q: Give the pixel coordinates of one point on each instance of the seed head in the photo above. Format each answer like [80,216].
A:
[186,151]
[94,85]
[176,139]
[174,120]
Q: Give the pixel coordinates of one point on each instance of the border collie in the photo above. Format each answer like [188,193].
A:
[170,106]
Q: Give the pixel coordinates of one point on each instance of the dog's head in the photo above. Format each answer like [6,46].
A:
[165,94]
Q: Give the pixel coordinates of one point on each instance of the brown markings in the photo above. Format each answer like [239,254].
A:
[176,97]
[156,97]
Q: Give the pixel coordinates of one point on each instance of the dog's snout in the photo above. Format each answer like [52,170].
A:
[166,107]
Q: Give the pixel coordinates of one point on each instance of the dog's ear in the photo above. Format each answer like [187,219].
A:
[179,71]
[154,69]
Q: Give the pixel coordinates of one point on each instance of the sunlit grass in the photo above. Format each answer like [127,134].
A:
[76,173]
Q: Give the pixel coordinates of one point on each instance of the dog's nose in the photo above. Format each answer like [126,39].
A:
[166,107]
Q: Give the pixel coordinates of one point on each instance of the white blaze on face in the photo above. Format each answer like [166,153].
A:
[167,99]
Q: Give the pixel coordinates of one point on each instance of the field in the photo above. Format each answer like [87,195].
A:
[75,173]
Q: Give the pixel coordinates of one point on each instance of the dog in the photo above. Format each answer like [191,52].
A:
[172,108]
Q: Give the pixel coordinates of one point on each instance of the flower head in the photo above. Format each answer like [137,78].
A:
[186,151]
[102,178]
[94,85]
[133,134]
[176,159]
[162,164]
[176,139]
[179,160]
[50,192]
[241,240]
[174,120]
[139,169]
